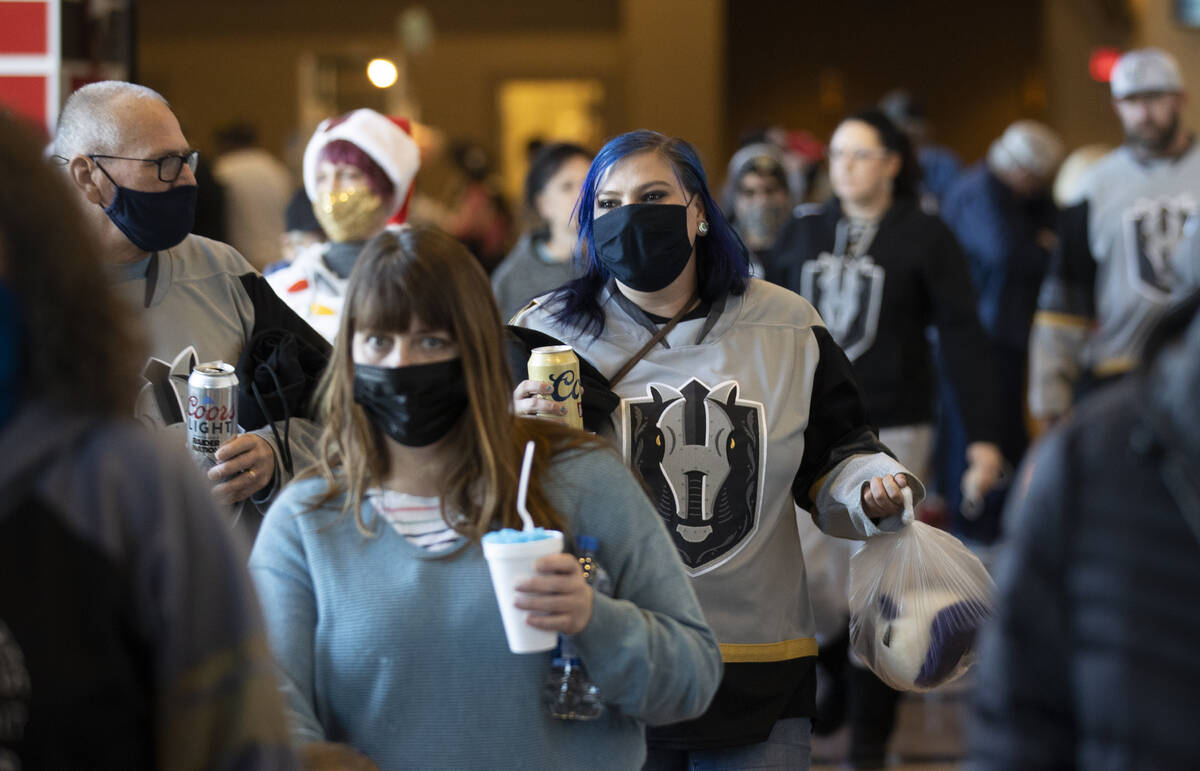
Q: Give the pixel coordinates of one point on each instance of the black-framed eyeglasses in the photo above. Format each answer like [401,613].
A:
[169,166]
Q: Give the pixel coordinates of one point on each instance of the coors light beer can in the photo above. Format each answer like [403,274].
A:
[211,408]
[557,365]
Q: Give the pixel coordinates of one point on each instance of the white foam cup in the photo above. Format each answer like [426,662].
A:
[511,564]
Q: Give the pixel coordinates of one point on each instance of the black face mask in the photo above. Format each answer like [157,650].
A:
[152,221]
[415,405]
[644,245]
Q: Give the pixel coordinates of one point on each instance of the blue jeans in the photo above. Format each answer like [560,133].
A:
[789,748]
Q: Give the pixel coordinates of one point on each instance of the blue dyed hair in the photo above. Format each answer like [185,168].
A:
[722,264]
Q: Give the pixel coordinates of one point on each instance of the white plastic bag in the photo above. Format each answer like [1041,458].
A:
[917,600]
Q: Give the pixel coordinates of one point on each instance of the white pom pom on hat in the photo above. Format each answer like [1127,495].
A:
[382,138]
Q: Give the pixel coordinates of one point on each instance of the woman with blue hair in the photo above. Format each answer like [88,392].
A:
[735,406]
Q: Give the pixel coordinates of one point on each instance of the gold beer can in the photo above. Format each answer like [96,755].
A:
[558,366]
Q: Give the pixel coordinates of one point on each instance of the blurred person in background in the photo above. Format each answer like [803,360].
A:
[939,165]
[257,187]
[479,216]
[803,158]
[130,636]
[378,600]
[301,231]
[807,176]
[759,199]
[880,271]
[1001,211]
[210,220]
[1117,269]
[734,405]
[130,167]
[542,258]
[1090,661]
[1068,190]
[358,173]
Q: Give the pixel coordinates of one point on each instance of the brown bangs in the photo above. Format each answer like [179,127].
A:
[392,283]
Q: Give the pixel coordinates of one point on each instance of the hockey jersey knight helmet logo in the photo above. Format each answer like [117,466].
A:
[847,292]
[699,451]
[162,400]
[1153,229]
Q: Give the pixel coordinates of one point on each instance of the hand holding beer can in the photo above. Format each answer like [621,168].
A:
[211,413]
[558,366]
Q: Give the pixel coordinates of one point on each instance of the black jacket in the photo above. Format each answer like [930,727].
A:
[1091,659]
[924,281]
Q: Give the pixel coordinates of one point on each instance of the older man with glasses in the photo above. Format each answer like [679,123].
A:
[127,158]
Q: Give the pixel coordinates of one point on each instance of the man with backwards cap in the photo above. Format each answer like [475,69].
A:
[1118,267]
[1001,212]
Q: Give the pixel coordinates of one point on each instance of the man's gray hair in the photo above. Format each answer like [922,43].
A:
[89,122]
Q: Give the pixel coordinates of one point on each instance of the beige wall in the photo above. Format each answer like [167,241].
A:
[662,66]
[211,80]
[456,82]
[1155,26]
[1079,107]
[674,61]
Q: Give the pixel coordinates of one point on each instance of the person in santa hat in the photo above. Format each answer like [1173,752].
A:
[358,173]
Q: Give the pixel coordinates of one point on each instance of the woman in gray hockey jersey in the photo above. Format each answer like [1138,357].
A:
[734,403]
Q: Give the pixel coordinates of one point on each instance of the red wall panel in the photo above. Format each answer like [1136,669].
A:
[23,28]
[25,95]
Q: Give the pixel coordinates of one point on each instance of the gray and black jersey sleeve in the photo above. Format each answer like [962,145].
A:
[842,451]
[839,427]
[1066,313]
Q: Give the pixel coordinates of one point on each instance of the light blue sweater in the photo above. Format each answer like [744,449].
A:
[401,653]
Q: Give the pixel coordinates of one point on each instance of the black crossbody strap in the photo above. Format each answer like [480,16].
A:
[662,332]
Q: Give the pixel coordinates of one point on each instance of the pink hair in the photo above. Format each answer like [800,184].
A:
[344,151]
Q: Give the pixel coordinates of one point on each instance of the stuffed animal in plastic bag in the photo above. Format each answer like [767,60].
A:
[918,598]
[922,640]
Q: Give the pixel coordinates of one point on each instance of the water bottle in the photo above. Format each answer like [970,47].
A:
[569,692]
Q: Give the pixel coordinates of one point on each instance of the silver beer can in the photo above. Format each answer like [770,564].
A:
[211,413]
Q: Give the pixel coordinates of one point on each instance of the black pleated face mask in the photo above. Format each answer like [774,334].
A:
[415,405]
[645,246]
[152,221]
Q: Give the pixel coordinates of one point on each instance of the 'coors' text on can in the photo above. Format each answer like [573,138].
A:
[211,414]
[557,365]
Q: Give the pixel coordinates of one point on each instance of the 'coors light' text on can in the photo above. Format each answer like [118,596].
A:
[211,408]
[557,365]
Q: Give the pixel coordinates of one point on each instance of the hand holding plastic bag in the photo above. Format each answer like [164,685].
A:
[917,600]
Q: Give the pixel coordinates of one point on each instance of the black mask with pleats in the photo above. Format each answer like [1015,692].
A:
[415,405]
[645,246]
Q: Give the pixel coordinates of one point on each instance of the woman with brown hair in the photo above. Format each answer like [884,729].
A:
[420,459]
[118,582]
[542,258]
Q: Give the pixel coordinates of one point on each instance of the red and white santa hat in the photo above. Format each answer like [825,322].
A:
[387,141]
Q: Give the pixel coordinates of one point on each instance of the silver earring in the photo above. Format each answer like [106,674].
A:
[703,228]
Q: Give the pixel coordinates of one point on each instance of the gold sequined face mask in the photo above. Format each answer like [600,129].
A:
[348,215]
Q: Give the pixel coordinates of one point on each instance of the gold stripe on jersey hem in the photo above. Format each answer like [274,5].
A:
[1118,365]
[816,487]
[761,653]
[1056,319]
